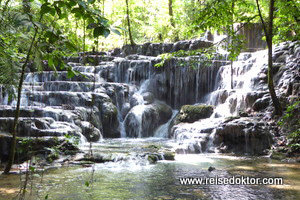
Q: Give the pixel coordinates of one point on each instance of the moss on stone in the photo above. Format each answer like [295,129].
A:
[278,155]
[152,158]
[231,118]
[169,155]
[192,113]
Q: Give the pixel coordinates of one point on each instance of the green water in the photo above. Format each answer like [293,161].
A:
[131,180]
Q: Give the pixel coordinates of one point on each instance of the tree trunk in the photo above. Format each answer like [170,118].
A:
[128,21]
[83,55]
[17,114]
[171,12]
[269,37]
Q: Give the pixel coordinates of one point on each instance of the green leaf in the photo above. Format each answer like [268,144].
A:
[50,61]
[52,11]
[118,27]
[92,25]
[70,46]
[71,3]
[63,15]
[58,11]
[77,11]
[106,32]
[87,184]
[97,32]
[45,8]
[101,31]
[59,3]
[32,169]
[71,73]
[115,31]
[47,196]
[51,36]
[82,4]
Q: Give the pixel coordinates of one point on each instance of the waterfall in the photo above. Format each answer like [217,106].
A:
[201,136]
[129,97]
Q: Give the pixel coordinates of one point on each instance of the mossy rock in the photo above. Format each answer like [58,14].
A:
[278,155]
[152,158]
[192,113]
[231,118]
[51,157]
[169,155]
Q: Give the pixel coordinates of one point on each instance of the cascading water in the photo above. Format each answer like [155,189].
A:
[129,97]
[133,104]
[200,136]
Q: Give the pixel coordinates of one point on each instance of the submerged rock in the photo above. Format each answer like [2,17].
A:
[210,169]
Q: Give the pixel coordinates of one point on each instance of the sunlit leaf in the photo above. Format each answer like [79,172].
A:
[115,31]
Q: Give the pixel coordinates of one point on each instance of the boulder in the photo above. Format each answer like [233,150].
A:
[296,89]
[142,120]
[125,109]
[181,45]
[167,47]
[251,97]
[245,135]
[136,99]
[192,113]
[91,133]
[110,122]
[148,98]
[198,44]
[115,52]
[154,49]
[128,50]
[261,103]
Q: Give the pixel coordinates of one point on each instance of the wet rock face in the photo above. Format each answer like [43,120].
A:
[192,113]
[155,49]
[243,136]
[91,133]
[142,120]
[110,120]
[261,103]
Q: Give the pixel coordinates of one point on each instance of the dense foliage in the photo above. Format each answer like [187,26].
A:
[290,123]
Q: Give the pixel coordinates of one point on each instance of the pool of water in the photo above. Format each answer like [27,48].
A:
[137,180]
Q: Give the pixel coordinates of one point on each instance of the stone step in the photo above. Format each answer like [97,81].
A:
[58,98]
[90,59]
[58,76]
[65,113]
[39,127]
[93,69]
[98,87]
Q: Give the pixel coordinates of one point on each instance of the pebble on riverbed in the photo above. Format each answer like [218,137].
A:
[210,169]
